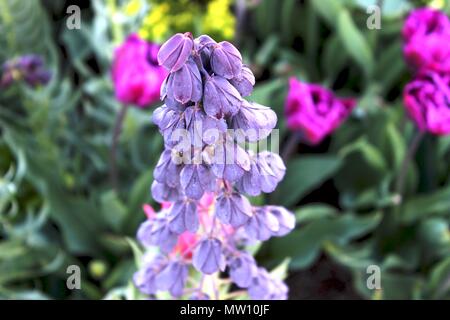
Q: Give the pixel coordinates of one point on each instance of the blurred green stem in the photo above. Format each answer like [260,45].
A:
[115,141]
[401,178]
[291,144]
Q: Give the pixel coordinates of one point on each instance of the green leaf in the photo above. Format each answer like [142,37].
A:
[113,210]
[422,206]
[303,175]
[304,244]
[354,42]
[313,212]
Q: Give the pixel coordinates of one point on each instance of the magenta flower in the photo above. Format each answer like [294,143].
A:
[423,22]
[426,34]
[136,74]
[427,99]
[315,111]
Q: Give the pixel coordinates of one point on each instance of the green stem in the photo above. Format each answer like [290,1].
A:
[115,141]
[401,178]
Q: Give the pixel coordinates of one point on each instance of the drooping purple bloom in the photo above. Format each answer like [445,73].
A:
[253,121]
[196,179]
[226,60]
[173,278]
[233,209]
[286,220]
[244,82]
[266,171]
[164,193]
[242,269]
[156,232]
[262,225]
[183,216]
[220,98]
[186,84]
[144,278]
[175,52]
[167,170]
[264,287]
[230,161]
[208,256]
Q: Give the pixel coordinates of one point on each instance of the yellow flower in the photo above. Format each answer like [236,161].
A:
[132,7]
[219,19]
[437,4]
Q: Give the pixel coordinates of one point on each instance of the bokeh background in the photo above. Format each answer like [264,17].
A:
[57,204]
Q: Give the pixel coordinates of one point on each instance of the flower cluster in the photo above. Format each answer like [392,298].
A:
[136,74]
[204,172]
[426,35]
[314,110]
[29,68]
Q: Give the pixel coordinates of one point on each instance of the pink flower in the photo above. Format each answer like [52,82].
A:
[136,74]
[425,21]
[315,111]
[426,34]
[427,99]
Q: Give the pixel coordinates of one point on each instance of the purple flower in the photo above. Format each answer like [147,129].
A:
[173,278]
[196,179]
[244,82]
[208,256]
[226,60]
[229,161]
[183,216]
[233,209]
[253,121]
[167,171]
[29,68]
[157,232]
[266,171]
[186,83]
[176,51]
[221,98]
[262,225]
[286,220]
[264,287]
[162,192]
[242,269]
[427,100]
[144,278]
[136,76]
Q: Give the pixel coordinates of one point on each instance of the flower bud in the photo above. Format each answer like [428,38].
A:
[208,257]
[226,60]
[175,51]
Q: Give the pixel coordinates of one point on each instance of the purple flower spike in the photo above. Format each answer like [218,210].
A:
[220,98]
[175,51]
[262,225]
[183,216]
[204,171]
[186,84]
[173,278]
[233,209]
[244,82]
[226,60]
[242,269]
[208,257]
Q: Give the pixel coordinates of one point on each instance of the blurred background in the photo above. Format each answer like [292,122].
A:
[59,208]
